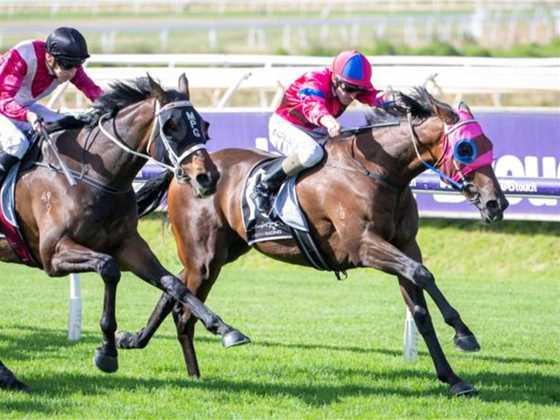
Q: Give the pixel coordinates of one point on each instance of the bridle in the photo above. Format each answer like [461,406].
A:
[175,159]
[462,185]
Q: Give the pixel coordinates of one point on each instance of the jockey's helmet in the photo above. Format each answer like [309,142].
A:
[67,44]
[352,67]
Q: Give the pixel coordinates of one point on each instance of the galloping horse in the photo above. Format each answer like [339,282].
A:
[92,226]
[360,210]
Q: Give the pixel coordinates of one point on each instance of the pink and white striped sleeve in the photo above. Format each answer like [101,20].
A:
[12,72]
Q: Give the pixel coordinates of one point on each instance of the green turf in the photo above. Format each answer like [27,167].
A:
[322,348]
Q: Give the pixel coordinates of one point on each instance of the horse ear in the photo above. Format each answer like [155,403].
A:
[184,85]
[157,90]
[445,112]
[463,107]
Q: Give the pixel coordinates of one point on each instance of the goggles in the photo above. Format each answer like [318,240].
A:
[465,151]
[349,88]
[65,64]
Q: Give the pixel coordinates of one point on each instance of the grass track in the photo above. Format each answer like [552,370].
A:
[322,348]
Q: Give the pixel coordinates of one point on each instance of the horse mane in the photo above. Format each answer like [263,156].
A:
[123,94]
[419,103]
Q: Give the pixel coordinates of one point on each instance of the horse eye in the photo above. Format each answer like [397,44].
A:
[169,126]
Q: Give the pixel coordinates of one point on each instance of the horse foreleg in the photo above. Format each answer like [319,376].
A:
[464,338]
[71,257]
[413,276]
[185,324]
[139,340]
[137,257]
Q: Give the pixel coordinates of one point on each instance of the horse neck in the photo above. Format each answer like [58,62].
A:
[390,151]
[132,127]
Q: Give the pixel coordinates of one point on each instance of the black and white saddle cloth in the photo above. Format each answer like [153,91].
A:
[285,221]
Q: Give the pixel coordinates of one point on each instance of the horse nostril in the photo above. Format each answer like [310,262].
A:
[492,205]
[203,180]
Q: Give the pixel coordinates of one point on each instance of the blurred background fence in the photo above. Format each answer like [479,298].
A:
[282,26]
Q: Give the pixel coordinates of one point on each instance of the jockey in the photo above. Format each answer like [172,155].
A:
[308,112]
[30,71]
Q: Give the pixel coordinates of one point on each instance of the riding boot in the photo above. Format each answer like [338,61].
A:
[6,162]
[269,184]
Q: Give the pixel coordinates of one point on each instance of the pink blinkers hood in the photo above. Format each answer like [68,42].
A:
[467,128]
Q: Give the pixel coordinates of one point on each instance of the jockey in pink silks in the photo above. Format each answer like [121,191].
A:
[30,71]
[308,112]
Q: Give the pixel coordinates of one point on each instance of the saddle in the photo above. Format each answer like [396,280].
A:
[286,220]
[9,225]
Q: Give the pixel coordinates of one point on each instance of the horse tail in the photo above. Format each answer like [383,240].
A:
[152,192]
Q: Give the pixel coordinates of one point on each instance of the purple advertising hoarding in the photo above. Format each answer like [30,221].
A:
[526,144]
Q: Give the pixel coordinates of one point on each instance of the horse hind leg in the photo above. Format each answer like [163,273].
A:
[8,380]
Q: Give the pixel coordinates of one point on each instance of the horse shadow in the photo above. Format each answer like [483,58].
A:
[495,386]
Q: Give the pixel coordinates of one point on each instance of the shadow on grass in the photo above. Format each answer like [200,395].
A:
[386,352]
[495,386]
[32,342]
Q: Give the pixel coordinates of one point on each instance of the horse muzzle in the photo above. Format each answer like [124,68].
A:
[204,184]
[493,210]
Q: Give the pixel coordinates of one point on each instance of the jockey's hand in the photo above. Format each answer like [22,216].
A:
[34,120]
[331,124]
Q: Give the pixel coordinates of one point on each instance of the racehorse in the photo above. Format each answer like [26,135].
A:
[360,209]
[92,226]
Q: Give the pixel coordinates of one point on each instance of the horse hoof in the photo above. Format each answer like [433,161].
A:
[8,381]
[104,362]
[463,389]
[234,338]
[466,343]
[123,339]
[13,384]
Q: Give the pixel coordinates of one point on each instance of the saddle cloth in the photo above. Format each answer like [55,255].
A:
[8,220]
[285,221]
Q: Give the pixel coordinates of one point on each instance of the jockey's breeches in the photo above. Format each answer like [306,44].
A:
[289,140]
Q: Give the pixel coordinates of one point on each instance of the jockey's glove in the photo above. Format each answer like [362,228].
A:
[331,124]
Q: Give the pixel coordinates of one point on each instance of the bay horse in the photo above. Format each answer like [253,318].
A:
[361,212]
[92,226]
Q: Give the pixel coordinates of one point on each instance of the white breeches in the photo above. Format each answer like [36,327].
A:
[289,139]
[12,132]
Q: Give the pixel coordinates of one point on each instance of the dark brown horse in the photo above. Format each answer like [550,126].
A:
[92,226]
[361,211]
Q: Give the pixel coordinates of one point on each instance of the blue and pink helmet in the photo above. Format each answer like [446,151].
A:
[353,68]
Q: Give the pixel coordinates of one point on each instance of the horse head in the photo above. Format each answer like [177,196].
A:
[452,144]
[179,136]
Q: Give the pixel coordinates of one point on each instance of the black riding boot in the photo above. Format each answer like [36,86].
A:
[6,162]
[269,183]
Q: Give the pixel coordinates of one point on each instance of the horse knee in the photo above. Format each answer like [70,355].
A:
[422,277]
